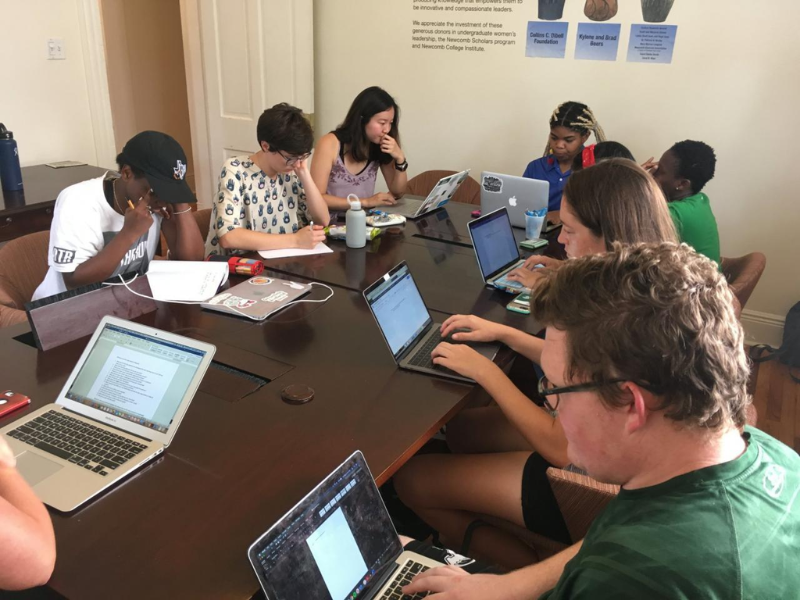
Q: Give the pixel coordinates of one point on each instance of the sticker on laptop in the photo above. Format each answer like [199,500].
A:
[238,302]
[294,285]
[260,280]
[279,296]
[492,184]
[218,299]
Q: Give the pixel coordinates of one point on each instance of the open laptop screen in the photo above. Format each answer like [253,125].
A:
[494,242]
[136,377]
[398,308]
[333,544]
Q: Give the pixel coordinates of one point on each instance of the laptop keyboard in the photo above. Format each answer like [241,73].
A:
[404,577]
[77,441]
[422,358]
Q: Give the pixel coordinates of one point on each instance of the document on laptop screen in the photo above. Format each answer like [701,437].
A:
[337,555]
[136,376]
[495,244]
[400,312]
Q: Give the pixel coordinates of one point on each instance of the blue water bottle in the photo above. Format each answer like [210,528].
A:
[10,173]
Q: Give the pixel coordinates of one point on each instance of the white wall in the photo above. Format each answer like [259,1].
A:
[733,83]
[46,102]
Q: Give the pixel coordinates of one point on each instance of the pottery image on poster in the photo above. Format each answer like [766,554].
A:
[656,11]
[551,10]
[600,10]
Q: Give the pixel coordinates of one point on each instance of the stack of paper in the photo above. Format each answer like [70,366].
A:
[186,281]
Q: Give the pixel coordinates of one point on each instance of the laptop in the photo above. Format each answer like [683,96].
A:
[258,297]
[407,326]
[412,207]
[121,406]
[338,542]
[516,194]
[496,250]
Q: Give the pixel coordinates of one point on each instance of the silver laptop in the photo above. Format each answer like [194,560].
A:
[496,250]
[411,206]
[516,194]
[120,407]
[258,297]
[407,326]
[338,542]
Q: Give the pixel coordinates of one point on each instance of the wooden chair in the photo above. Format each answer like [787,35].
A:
[422,184]
[743,274]
[23,266]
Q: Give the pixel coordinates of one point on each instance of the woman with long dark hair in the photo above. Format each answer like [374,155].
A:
[346,160]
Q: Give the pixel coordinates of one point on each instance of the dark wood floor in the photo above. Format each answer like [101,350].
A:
[777,398]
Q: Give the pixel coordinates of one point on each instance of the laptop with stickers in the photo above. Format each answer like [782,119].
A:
[515,194]
[258,297]
[412,207]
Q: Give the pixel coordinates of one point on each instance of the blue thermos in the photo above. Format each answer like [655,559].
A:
[10,173]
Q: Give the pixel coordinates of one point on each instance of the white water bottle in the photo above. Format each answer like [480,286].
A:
[356,224]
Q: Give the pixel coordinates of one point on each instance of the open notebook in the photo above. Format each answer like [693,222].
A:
[186,281]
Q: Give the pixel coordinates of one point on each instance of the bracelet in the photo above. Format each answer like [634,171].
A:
[180,212]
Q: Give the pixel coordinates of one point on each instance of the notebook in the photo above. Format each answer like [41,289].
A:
[407,326]
[121,406]
[258,297]
[338,542]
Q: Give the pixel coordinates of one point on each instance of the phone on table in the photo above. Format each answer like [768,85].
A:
[520,304]
[11,401]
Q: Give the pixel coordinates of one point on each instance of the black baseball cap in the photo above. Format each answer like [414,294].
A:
[163,161]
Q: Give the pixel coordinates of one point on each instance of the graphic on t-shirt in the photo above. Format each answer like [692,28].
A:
[135,260]
[62,256]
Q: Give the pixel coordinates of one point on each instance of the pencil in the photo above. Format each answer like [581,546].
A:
[130,203]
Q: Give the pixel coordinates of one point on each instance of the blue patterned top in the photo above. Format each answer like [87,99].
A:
[247,197]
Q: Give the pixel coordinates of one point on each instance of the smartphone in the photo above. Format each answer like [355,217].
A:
[11,401]
[520,304]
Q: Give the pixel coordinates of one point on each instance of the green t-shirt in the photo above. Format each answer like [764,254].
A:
[729,532]
[696,224]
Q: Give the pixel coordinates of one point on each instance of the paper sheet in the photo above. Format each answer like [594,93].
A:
[186,281]
[320,248]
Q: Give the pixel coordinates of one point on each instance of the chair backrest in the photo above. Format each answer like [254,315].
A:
[743,274]
[203,218]
[422,184]
[23,266]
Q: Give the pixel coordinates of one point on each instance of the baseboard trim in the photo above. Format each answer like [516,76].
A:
[762,328]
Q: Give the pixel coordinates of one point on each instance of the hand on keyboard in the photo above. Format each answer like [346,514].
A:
[469,328]
[463,360]
[456,584]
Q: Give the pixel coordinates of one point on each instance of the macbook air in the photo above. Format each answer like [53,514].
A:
[120,407]
[516,194]
[338,542]
[407,326]
[258,297]
[496,250]
[412,207]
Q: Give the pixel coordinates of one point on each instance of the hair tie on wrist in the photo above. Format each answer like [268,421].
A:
[180,212]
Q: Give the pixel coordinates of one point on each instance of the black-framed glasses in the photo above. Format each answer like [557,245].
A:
[293,160]
[546,388]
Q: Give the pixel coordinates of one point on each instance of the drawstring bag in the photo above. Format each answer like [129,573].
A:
[789,352]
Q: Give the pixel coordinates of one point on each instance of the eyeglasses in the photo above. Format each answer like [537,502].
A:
[548,389]
[293,160]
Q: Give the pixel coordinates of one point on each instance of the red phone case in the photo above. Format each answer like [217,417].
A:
[11,401]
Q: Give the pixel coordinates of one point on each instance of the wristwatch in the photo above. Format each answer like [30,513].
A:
[401,166]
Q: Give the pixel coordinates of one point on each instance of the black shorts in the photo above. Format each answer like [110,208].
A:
[539,507]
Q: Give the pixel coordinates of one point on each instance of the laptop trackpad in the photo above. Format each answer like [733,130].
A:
[35,469]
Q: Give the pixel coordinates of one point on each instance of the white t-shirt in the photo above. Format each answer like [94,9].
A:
[83,223]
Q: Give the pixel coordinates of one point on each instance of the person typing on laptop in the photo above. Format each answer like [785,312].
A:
[268,200]
[645,364]
[26,532]
[507,448]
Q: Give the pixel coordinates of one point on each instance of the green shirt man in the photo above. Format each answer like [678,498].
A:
[727,532]
[696,224]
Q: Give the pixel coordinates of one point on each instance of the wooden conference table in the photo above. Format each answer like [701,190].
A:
[181,526]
